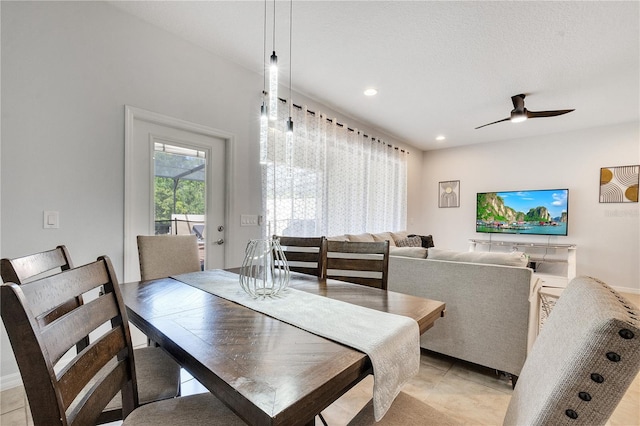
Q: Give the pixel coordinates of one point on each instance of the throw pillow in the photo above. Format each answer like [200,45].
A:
[414,241]
[399,235]
[427,240]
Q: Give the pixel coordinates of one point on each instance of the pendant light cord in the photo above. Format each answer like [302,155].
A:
[274,25]
[264,52]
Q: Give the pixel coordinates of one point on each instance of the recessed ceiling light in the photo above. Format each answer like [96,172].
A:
[440,138]
[370,92]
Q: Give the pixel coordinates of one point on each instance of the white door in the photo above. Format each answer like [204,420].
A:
[148,133]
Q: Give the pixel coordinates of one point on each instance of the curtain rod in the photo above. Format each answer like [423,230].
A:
[348,128]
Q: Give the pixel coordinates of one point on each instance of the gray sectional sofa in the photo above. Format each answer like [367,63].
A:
[487,297]
[487,313]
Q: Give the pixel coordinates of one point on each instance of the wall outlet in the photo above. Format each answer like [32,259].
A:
[249,220]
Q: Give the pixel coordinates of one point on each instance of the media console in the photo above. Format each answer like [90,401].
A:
[553,264]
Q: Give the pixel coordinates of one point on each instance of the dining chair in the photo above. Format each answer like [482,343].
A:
[74,390]
[580,366]
[304,254]
[22,269]
[365,263]
[158,373]
[164,255]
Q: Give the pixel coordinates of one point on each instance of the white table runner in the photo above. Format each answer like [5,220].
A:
[391,341]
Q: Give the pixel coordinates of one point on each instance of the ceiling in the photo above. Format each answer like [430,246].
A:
[439,67]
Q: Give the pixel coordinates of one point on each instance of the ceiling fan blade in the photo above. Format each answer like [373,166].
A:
[537,114]
[499,121]
[518,102]
[520,113]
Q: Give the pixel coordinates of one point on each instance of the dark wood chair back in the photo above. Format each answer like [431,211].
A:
[358,262]
[304,254]
[23,269]
[75,393]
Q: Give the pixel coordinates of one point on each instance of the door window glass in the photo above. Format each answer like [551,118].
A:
[180,192]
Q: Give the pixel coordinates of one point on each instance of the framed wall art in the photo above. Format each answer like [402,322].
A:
[449,194]
[619,184]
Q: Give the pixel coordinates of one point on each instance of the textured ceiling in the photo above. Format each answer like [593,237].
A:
[440,67]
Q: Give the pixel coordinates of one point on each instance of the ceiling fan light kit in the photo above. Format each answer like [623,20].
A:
[520,113]
[518,117]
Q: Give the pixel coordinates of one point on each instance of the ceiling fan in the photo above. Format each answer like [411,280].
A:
[520,113]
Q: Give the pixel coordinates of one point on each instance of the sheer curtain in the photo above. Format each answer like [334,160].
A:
[338,180]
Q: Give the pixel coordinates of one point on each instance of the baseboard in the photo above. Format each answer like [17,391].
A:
[628,290]
[10,381]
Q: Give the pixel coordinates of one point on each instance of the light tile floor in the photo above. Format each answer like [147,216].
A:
[472,394]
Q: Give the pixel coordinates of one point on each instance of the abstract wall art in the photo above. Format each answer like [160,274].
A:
[449,193]
[619,184]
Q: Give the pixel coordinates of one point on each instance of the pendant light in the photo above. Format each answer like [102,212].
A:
[264,120]
[289,128]
[289,142]
[273,74]
[264,133]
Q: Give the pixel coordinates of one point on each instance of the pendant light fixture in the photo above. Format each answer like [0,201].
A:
[264,120]
[289,142]
[289,129]
[264,133]
[273,74]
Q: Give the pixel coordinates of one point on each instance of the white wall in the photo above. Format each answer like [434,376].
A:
[68,69]
[607,235]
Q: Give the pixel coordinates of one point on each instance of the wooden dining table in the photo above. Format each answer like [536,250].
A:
[267,371]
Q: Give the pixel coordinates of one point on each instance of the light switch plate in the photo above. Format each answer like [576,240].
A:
[249,220]
[51,220]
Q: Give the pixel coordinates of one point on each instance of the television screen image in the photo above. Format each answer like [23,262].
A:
[536,212]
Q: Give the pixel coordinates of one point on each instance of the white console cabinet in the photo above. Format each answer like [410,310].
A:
[553,264]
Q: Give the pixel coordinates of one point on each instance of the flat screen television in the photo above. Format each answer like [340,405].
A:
[536,212]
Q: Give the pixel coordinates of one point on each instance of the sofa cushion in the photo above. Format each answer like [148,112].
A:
[384,236]
[414,241]
[427,240]
[515,258]
[417,252]
[360,238]
[338,238]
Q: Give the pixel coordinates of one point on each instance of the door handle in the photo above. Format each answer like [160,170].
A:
[220,241]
